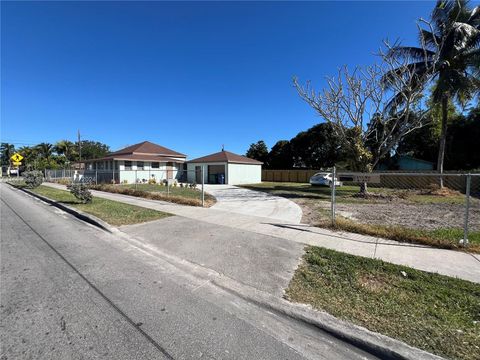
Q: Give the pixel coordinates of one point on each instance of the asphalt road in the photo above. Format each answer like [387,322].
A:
[71,291]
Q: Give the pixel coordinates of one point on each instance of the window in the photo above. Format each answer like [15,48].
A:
[139,165]
[128,165]
[155,165]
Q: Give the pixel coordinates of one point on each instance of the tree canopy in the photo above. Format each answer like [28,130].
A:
[49,156]
[258,151]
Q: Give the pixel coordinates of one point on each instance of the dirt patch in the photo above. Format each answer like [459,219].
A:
[437,191]
[415,216]
[397,212]
[376,196]
[373,283]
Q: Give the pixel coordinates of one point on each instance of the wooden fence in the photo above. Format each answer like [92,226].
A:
[301,176]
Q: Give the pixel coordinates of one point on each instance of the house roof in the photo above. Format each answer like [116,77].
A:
[147,148]
[137,157]
[226,156]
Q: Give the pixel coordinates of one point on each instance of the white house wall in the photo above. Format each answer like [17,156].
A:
[244,174]
[159,174]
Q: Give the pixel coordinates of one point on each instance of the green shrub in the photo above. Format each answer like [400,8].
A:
[33,178]
[81,192]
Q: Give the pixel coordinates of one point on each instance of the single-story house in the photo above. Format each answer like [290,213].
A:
[142,161]
[225,167]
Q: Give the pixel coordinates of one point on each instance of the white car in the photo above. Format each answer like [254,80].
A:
[323,179]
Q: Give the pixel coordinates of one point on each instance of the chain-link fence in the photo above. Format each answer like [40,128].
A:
[414,205]
[185,186]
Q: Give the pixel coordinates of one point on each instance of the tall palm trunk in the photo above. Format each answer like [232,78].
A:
[443,138]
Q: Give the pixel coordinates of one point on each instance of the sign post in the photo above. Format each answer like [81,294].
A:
[16,159]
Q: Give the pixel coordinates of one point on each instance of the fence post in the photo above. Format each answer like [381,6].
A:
[168,184]
[203,190]
[467,208]
[333,194]
[135,180]
[96,177]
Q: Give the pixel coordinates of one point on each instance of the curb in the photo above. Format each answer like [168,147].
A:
[91,219]
[376,344]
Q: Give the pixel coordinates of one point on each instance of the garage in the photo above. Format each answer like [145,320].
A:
[225,167]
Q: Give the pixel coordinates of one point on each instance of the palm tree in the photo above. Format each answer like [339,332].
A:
[450,45]
[7,150]
[65,147]
[45,150]
[29,153]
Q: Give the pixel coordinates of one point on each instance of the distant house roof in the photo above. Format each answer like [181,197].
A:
[144,151]
[409,157]
[226,156]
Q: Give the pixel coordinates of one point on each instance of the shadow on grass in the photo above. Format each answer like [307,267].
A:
[70,202]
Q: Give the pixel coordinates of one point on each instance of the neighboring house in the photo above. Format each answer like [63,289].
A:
[225,167]
[406,162]
[137,162]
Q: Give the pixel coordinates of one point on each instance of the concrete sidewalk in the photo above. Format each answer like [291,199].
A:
[447,262]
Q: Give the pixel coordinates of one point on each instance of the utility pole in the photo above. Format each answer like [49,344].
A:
[79,148]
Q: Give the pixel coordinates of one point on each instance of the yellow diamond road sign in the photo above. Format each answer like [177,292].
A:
[17,157]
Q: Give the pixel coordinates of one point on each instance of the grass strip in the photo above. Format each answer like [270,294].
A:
[181,196]
[113,212]
[446,238]
[437,313]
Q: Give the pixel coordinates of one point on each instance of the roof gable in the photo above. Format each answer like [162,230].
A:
[226,156]
[147,148]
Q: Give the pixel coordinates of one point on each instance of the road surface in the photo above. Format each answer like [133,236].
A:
[72,291]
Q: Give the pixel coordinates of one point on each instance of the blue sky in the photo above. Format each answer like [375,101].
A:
[189,76]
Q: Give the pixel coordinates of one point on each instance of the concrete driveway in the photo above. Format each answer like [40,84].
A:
[254,203]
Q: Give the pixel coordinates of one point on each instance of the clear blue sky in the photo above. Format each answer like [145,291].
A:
[189,76]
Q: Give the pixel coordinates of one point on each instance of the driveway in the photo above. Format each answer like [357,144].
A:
[254,203]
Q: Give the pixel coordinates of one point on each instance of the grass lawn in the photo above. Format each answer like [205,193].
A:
[400,215]
[344,194]
[436,313]
[112,212]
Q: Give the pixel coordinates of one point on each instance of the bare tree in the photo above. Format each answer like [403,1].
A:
[371,108]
